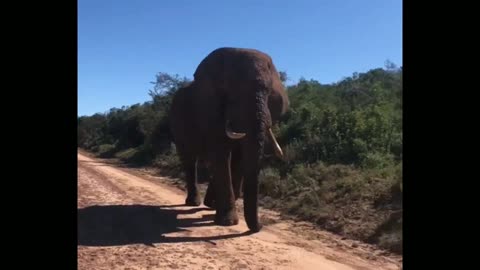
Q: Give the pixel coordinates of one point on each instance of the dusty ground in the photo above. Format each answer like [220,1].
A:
[127,220]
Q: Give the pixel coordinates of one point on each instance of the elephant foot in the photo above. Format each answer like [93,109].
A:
[254,228]
[226,217]
[209,203]
[209,200]
[193,200]
[238,196]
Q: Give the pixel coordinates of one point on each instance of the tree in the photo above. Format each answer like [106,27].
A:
[390,66]
[283,76]
[166,84]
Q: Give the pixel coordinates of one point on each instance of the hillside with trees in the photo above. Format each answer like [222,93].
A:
[342,142]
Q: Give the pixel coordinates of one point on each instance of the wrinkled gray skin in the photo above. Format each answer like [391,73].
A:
[223,119]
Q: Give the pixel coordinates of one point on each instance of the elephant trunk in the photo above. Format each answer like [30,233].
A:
[253,150]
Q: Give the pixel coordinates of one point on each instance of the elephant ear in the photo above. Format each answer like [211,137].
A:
[278,102]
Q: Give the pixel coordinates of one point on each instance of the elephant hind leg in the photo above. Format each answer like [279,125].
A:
[237,181]
[209,200]
[238,188]
[237,174]
[193,197]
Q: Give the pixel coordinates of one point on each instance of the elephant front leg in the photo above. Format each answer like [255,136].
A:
[226,212]
[237,181]
[193,197]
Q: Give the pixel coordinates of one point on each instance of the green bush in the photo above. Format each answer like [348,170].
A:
[106,150]
[376,160]
[169,164]
[136,156]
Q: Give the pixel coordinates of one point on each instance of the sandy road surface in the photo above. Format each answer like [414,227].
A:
[130,221]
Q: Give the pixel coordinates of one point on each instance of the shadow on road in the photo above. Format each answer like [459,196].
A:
[109,163]
[114,225]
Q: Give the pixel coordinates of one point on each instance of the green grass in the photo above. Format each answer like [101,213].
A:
[357,203]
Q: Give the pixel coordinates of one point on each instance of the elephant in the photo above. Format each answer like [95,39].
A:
[277,101]
[224,118]
[202,171]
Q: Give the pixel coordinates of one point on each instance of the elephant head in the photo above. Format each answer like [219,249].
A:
[237,86]
[277,103]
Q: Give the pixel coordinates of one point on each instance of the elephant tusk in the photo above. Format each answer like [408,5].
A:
[233,135]
[278,149]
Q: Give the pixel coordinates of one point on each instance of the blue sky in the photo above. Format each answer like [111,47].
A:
[122,44]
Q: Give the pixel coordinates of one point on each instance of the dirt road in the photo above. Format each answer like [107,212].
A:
[131,221]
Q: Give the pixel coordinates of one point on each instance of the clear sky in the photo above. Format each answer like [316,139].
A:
[122,44]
